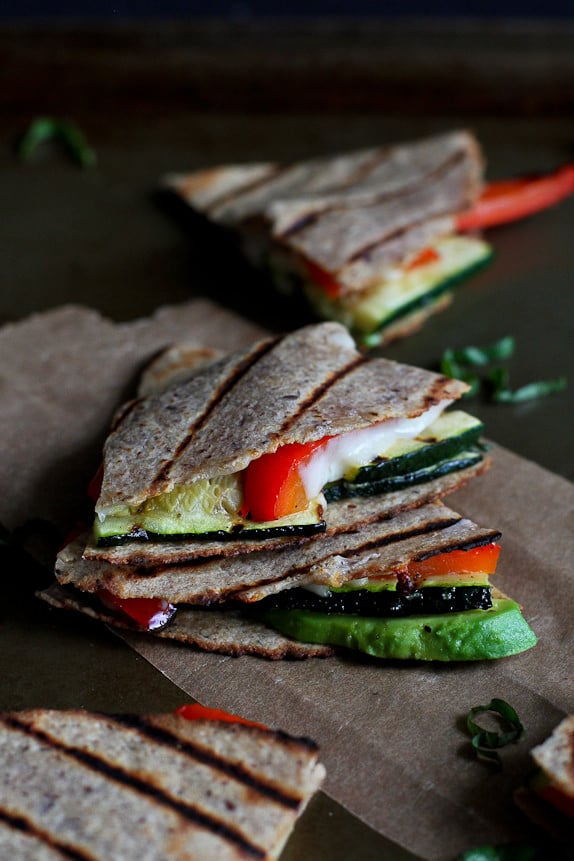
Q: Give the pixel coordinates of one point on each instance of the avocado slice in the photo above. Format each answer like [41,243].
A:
[472,635]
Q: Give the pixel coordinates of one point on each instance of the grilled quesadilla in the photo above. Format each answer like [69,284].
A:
[370,236]
[548,800]
[256,443]
[413,586]
[196,784]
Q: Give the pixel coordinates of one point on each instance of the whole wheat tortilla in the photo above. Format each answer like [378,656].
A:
[303,386]
[74,784]
[352,214]
[346,515]
[385,545]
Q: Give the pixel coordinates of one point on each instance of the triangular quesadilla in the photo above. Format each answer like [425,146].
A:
[369,236]
[254,444]
[197,784]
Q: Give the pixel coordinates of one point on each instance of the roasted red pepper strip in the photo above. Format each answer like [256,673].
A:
[95,485]
[323,279]
[198,712]
[150,613]
[480,560]
[559,799]
[512,199]
[427,255]
[272,485]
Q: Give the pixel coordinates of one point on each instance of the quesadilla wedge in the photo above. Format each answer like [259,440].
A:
[548,798]
[198,784]
[370,237]
[413,586]
[255,443]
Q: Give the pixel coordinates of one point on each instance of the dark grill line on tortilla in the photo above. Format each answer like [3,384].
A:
[237,772]
[19,823]
[131,781]
[236,194]
[123,413]
[470,544]
[248,362]
[313,217]
[433,526]
[321,391]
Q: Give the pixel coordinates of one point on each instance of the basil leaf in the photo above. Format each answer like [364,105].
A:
[476,356]
[502,394]
[450,367]
[486,742]
[64,132]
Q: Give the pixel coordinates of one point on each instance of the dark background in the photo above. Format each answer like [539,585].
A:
[247,8]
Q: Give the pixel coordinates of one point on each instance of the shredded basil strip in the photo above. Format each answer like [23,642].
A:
[63,131]
[486,742]
[476,356]
[503,394]
[458,364]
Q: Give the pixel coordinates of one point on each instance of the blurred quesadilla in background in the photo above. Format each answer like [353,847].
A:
[371,237]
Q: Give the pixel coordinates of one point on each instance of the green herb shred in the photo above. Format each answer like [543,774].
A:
[486,742]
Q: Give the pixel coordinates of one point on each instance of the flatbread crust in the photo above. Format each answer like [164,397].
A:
[353,214]
[303,386]
[387,544]
[347,515]
[74,784]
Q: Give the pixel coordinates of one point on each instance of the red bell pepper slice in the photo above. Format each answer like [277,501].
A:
[150,613]
[95,485]
[511,199]
[323,279]
[272,485]
[479,560]
[427,255]
[196,711]
[555,796]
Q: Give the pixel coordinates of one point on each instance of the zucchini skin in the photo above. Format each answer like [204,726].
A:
[387,602]
[387,476]
[220,535]
[422,302]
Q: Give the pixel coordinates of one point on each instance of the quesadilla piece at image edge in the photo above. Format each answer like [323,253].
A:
[74,783]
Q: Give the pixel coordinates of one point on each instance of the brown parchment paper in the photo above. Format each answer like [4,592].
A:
[392,735]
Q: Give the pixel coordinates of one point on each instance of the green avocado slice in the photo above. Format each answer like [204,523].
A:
[472,635]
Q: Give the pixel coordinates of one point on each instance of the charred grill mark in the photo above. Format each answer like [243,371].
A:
[414,532]
[132,782]
[123,413]
[235,195]
[432,176]
[320,391]
[469,544]
[239,372]
[20,823]
[236,772]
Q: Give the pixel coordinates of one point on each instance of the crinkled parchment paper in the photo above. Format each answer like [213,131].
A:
[392,735]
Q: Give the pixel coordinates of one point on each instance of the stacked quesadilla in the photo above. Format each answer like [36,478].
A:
[293,488]
[370,236]
[74,784]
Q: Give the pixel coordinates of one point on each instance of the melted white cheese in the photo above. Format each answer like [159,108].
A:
[345,453]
